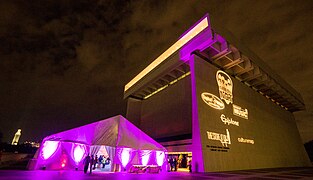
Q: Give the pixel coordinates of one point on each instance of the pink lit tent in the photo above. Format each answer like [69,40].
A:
[125,144]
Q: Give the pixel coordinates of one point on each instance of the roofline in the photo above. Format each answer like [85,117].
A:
[197,28]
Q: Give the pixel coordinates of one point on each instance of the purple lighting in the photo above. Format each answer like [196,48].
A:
[145,157]
[125,156]
[160,155]
[124,147]
[203,40]
[79,151]
[49,148]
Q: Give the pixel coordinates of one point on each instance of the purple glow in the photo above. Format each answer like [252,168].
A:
[79,152]
[145,157]
[201,42]
[197,159]
[49,148]
[125,156]
[160,156]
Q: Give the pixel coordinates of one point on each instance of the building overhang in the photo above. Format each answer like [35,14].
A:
[223,51]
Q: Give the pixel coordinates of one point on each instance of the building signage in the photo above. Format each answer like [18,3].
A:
[239,111]
[225,86]
[223,138]
[212,100]
[229,121]
[248,141]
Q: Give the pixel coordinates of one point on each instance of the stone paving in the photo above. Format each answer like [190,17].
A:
[278,173]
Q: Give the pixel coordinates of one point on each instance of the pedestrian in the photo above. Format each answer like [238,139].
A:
[175,164]
[86,163]
[107,161]
[91,164]
[100,161]
[189,165]
[95,162]
[103,162]
[171,161]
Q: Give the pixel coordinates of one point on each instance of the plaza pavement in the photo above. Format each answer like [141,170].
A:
[277,173]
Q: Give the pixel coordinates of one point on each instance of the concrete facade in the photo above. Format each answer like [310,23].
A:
[268,137]
[165,114]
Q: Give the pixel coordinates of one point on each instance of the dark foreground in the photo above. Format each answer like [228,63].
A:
[279,173]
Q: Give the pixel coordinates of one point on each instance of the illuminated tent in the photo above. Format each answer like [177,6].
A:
[123,142]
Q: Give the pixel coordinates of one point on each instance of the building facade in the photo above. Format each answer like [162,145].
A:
[209,97]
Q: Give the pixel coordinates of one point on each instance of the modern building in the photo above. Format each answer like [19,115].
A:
[209,97]
[16,137]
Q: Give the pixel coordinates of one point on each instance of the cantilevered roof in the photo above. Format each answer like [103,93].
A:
[222,50]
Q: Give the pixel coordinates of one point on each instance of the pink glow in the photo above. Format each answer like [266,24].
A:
[49,148]
[160,155]
[63,161]
[125,156]
[79,152]
[145,157]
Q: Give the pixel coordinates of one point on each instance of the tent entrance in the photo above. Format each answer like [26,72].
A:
[179,161]
[103,156]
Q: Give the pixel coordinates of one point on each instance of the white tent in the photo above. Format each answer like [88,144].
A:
[115,133]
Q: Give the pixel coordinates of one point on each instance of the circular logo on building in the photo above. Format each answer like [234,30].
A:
[225,86]
[212,100]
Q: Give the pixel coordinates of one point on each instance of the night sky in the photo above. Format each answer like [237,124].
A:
[64,63]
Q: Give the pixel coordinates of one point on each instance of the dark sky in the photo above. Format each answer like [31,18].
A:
[64,63]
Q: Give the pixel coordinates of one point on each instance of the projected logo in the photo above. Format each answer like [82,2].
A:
[229,121]
[212,100]
[225,86]
[248,141]
[239,111]
[223,138]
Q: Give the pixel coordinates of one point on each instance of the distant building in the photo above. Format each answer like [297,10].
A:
[32,144]
[209,97]
[17,137]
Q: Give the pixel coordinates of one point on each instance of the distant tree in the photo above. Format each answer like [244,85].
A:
[309,149]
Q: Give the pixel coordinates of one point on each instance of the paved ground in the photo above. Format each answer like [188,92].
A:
[279,173]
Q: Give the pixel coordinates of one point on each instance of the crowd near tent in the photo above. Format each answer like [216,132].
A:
[115,137]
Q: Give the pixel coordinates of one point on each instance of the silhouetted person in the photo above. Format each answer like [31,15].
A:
[107,161]
[95,161]
[196,167]
[171,161]
[91,163]
[100,161]
[189,165]
[175,164]
[86,163]
[103,162]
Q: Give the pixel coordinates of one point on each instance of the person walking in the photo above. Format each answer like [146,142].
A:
[91,164]
[100,161]
[86,163]
[189,165]
[175,164]
[171,162]
[95,162]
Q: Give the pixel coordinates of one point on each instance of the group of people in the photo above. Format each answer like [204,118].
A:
[92,161]
[173,164]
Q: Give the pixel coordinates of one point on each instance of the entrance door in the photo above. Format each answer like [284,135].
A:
[179,161]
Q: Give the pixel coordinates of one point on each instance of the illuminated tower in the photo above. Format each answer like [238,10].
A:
[16,137]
